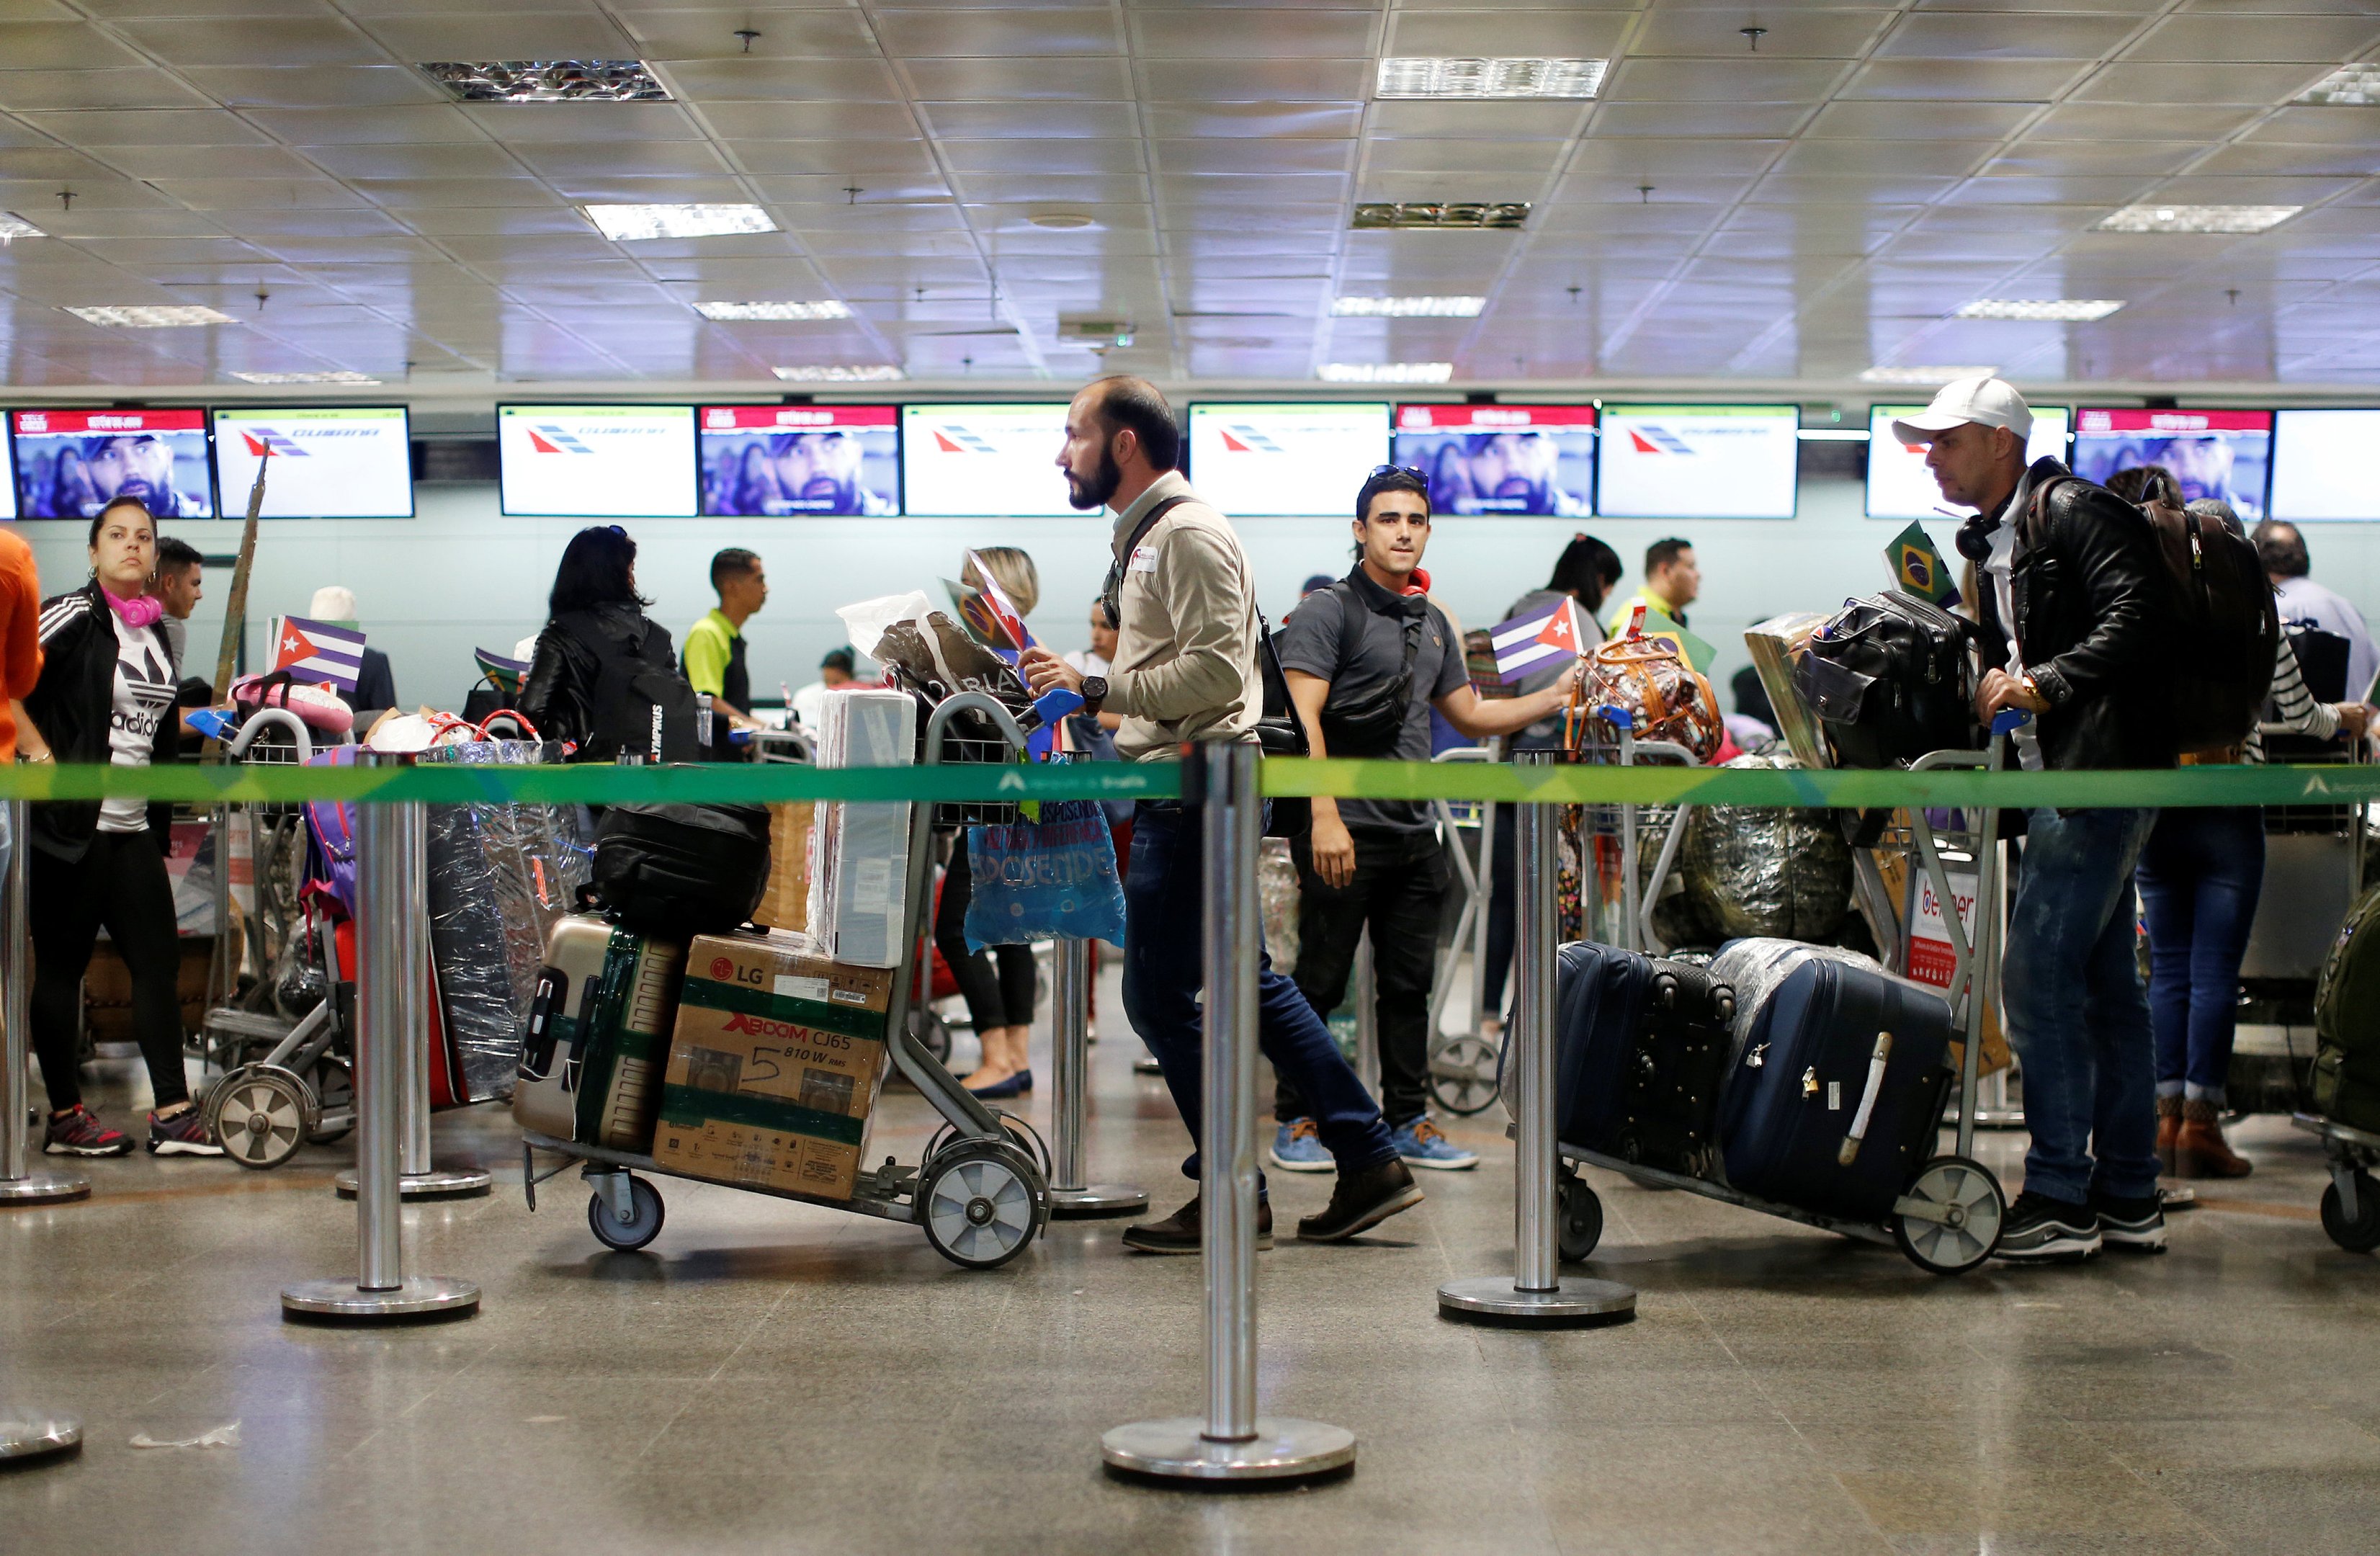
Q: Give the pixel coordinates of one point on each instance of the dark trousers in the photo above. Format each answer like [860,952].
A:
[1399,885]
[119,885]
[997,980]
[1164,906]
[2200,877]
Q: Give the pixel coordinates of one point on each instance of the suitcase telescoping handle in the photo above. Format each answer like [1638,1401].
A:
[1850,1152]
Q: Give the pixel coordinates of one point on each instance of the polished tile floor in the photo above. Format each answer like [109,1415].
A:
[772,1377]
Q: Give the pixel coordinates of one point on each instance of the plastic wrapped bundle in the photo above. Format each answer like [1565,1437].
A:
[859,850]
[1745,871]
[1277,890]
[499,877]
[1755,968]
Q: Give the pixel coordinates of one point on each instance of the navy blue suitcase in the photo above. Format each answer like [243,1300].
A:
[1640,1049]
[1834,1102]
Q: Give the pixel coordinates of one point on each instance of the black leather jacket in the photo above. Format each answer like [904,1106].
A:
[559,695]
[2085,619]
[72,704]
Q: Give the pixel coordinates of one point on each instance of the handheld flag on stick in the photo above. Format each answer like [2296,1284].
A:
[318,653]
[1918,569]
[990,612]
[1541,639]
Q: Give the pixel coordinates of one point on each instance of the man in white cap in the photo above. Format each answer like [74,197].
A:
[2069,636]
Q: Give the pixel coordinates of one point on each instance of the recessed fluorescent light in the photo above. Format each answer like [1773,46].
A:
[1407,308]
[1424,77]
[1925,375]
[338,376]
[1456,216]
[548,81]
[857,373]
[630,224]
[734,312]
[2349,86]
[1385,373]
[15,226]
[1832,434]
[2198,218]
[151,316]
[2055,310]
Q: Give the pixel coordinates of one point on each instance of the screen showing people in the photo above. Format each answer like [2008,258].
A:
[1898,484]
[983,460]
[71,463]
[2222,454]
[1258,460]
[800,459]
[1501,459]
[326,461]
[596,461]
[1698,461]
[2321,465]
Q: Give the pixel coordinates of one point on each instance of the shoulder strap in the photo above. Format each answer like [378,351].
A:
[1112,592]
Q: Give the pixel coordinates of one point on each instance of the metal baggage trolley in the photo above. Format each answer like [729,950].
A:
[2351,1205]
[980,1192]
[1948,1219]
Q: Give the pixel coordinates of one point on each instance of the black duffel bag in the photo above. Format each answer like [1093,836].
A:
[675,871]
[1892,678]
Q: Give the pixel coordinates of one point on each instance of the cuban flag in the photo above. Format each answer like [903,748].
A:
[1543,640]
[318,653]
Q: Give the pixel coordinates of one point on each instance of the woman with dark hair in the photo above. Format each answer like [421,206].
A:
[597,621]
[106,694]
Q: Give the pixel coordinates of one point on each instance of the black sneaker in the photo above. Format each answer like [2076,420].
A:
[184,1133]
[1183,1232]
[2136,1226]
[80,1133]
[1361,1200]
[2040,1230]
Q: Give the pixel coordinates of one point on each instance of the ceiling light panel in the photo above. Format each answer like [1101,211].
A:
[1407,308]
[2055,310]
[2349,86]
[633,223]
[337,377]
[740,312]
[548,81]
[856,373]
[151,316]
[1433,216]
[1413,76]
[1925,375]
[2199,218]
[1385,373]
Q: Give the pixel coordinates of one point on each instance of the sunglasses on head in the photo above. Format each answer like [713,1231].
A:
[1421,475]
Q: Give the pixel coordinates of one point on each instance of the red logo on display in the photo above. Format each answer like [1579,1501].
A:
[948,446]
[721,968]
[540,444]
[1235,444]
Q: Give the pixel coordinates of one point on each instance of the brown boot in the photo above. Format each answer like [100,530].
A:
[2168,1109]
[2199,1152]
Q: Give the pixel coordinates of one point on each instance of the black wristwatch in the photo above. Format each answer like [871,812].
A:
[1095,692]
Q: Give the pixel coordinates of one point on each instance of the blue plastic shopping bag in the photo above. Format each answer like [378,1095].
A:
[1053,879]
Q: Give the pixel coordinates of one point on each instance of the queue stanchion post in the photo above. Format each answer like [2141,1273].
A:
[1070,1044]
[1232,1443]
[390,931]
[1536,1292]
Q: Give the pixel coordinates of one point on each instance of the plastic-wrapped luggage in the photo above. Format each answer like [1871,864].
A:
[1745,870]
[1665,698]
[1640,1045]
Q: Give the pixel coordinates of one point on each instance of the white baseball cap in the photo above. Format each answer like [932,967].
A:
[1989,402]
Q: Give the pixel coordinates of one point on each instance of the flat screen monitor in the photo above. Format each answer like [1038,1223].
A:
[596,461]
[2322,464]
[1255,461]
[800,459]
[7,481]
[1899,485]
[1698,461]
[1502,459]
[69,463]
[2212,453]
[979,461]
[326,461]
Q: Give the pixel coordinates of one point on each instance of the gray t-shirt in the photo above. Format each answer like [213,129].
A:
[1310,641]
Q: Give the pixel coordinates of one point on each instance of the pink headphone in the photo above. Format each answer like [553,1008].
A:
[141,610]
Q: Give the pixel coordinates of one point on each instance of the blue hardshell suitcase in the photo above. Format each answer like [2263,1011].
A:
[1640,1049]
[1834,1100]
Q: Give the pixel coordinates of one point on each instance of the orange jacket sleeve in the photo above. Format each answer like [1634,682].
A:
[21,598]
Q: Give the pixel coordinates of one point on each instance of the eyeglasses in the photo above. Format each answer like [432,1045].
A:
[1419,475]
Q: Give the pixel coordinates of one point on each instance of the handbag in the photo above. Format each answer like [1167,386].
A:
[1053,879]
[1281,733]
[1664,698]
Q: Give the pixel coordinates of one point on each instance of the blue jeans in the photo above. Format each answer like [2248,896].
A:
[2076,1015]
[2200,877]
[1164,941]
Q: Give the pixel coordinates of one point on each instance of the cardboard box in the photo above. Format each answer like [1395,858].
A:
[785,904]
[774,1066]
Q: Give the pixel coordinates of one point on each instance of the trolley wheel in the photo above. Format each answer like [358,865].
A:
[644,1222]
[1973,1208]
[2362,1234]
[334,1089]
[981,1203]
[261,1114]
[1463,1075]
[1578,1216]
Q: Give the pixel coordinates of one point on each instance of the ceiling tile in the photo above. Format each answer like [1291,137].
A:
[2109,121]
[1335,158]
[1986,80]
[1257,34]
[2226,40]
[1115,155]
[288,42]
[1750,79]
[363,126]
[783,34]
[1765,120]
[1263,80]
[1022,80]
[1895,121]
[1271,121]
[237,86]
[437,160]
[807,121]
[34,90]
[1030,121]
[966,34]
[1793,32]
[2165,84]
[764,80]
[523,123]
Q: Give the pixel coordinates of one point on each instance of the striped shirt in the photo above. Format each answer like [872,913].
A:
[2295,711]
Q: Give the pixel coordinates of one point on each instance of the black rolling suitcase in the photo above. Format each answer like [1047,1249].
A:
[1640,1047]
[1833,1101]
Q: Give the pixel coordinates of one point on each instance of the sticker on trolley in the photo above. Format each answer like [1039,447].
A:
[1931,958]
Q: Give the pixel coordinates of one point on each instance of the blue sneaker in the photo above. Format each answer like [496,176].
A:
[1297,1148]
[1422,1144]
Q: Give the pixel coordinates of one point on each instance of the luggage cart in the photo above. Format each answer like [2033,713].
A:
[2351,1205]
[1948,1219]
[1463,1063]
[980,1191]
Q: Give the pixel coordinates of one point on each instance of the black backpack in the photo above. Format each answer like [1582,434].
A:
[675,871]
[1370,725]
[1892,678]
[641,705]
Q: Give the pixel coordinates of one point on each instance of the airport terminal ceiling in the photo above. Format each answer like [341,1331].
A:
[1742,200]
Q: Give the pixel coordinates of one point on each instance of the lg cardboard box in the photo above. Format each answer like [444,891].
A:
[773,1066]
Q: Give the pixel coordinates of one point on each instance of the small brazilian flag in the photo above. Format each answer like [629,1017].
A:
[1919,569]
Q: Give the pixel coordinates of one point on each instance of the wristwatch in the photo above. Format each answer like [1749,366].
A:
[1095,692]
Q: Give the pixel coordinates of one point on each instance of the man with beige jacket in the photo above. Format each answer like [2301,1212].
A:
[1185,670]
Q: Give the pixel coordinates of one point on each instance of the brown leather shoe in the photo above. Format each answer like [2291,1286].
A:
[2200,1150]
[1361,1200]
[2169,1115]
[1183,1231]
